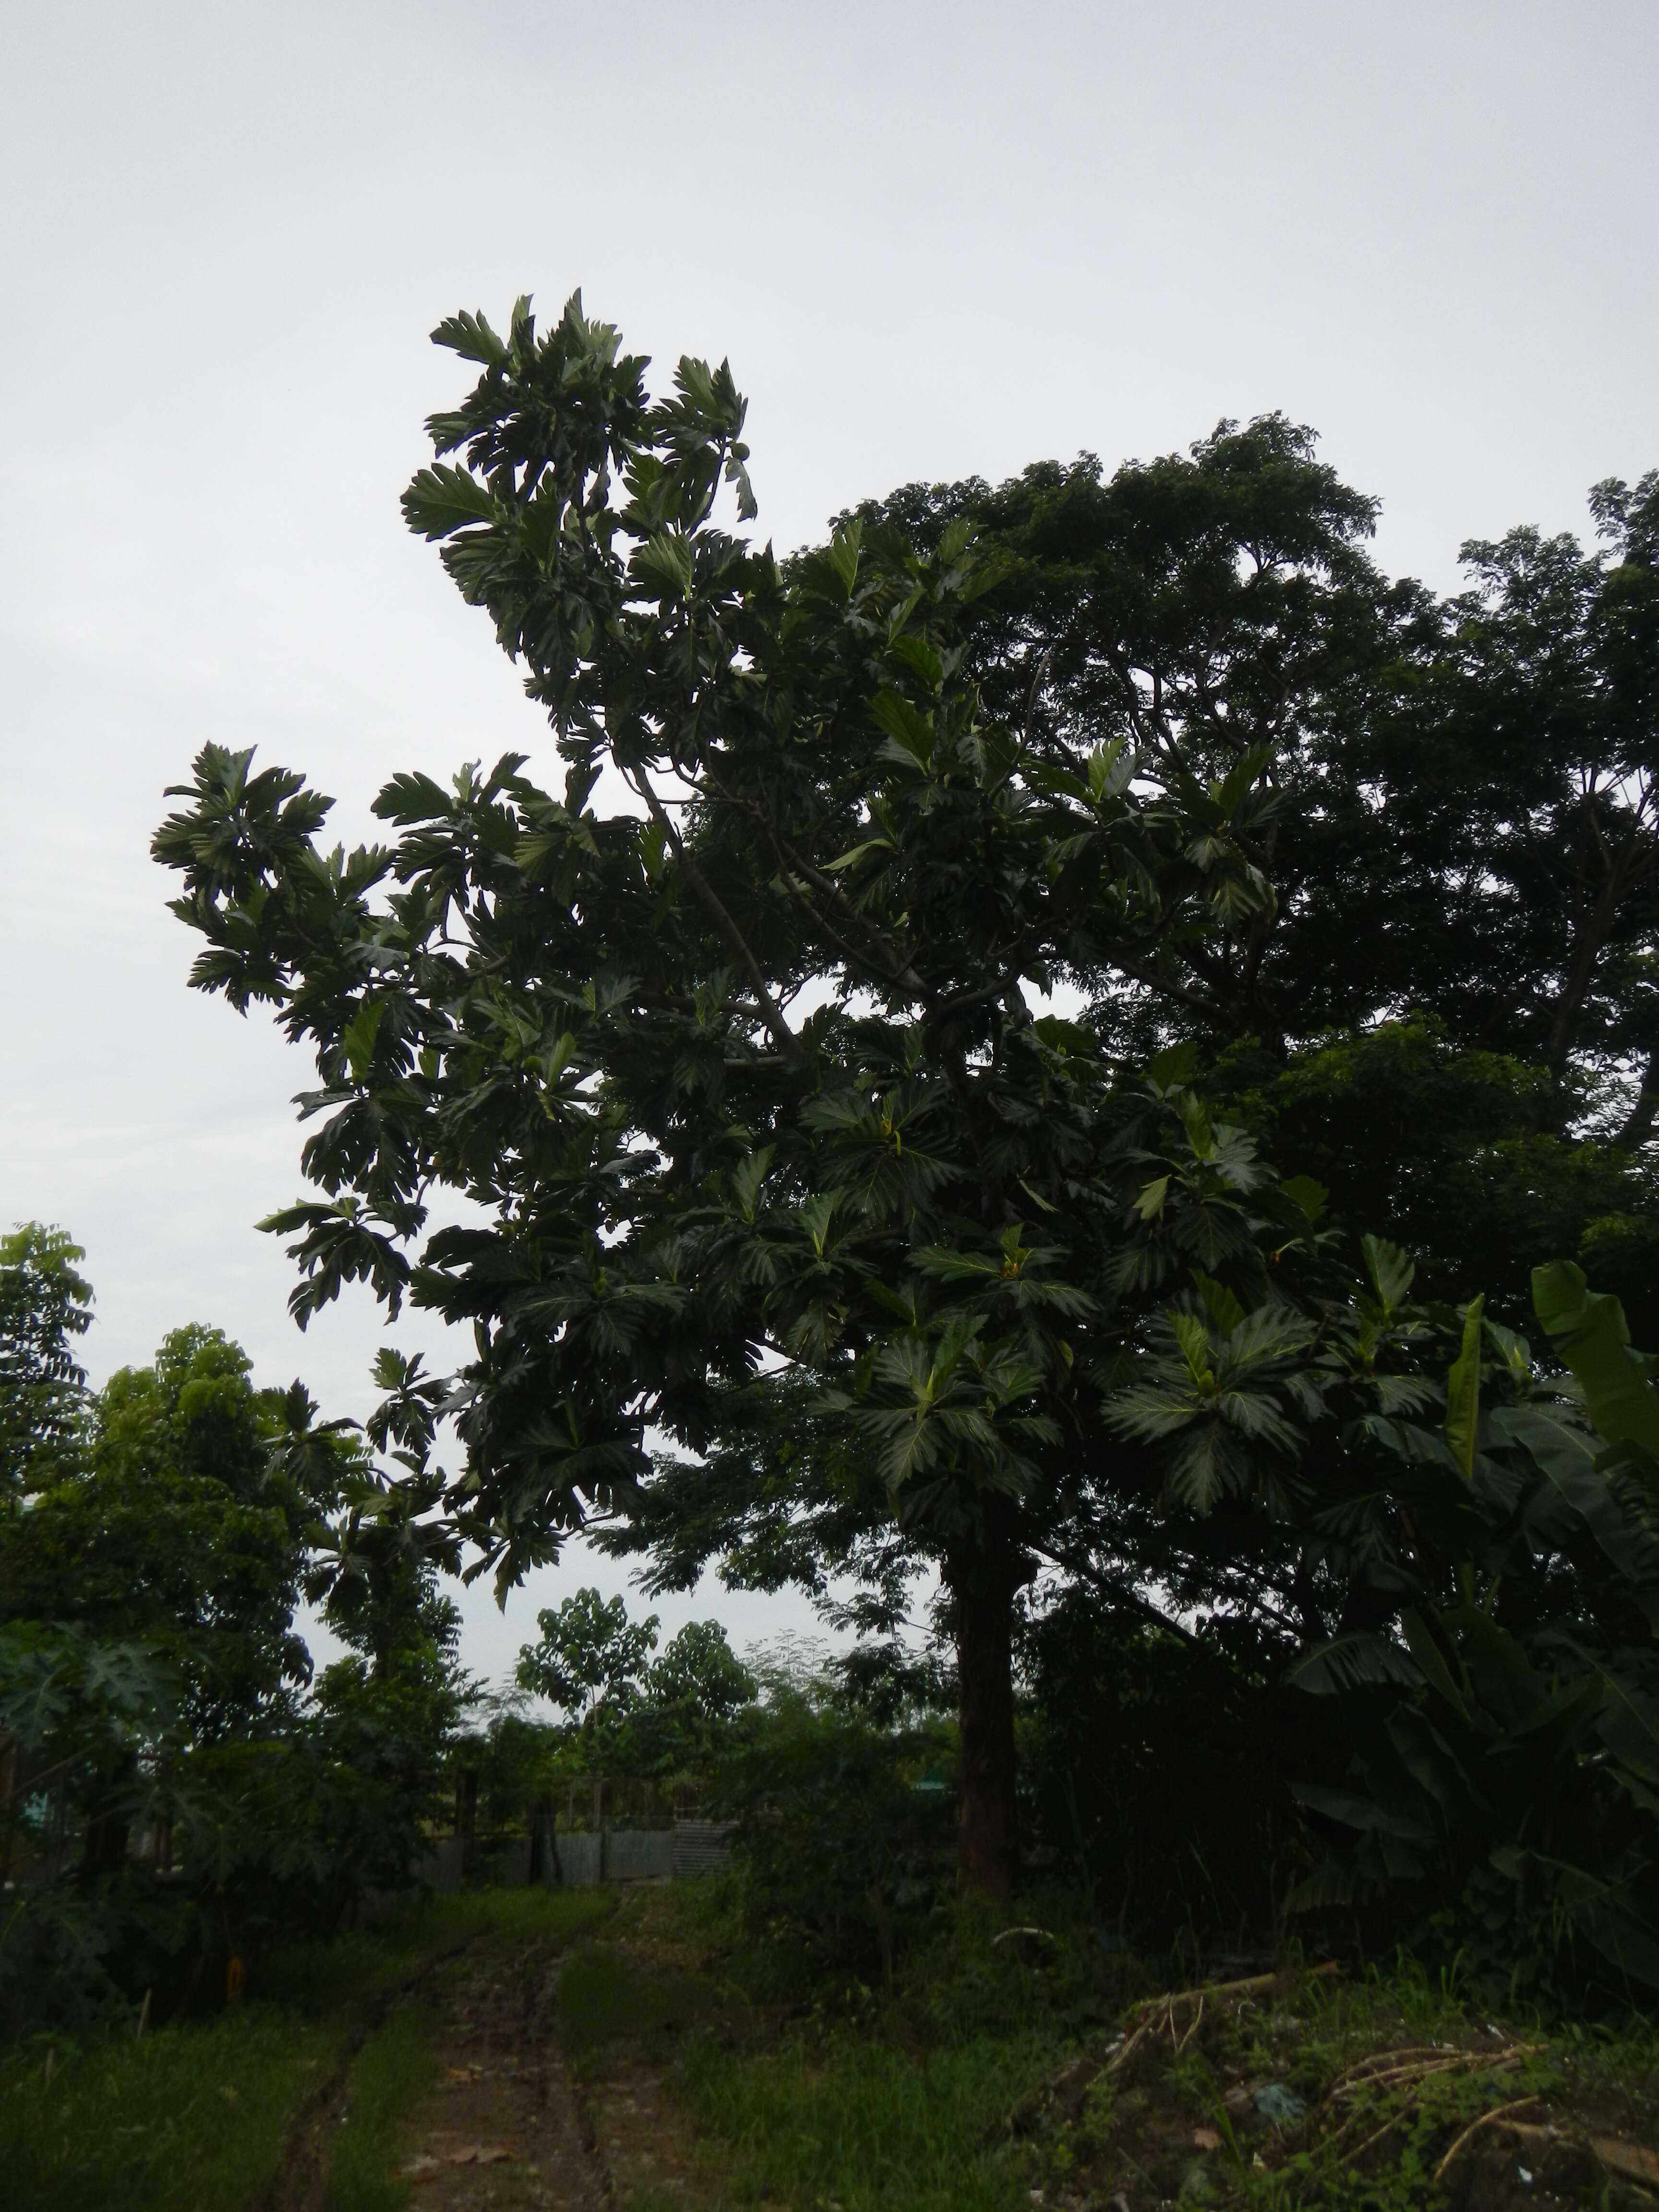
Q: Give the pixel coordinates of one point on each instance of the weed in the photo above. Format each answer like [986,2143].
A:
[363,1963]
[604,1994]
[193,2115]
[863,2123]
[189,2118]
[389,2073]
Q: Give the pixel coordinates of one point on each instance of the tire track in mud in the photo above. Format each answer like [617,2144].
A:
[503,2124]
[511,2124]
[506,2123]
[305,2165]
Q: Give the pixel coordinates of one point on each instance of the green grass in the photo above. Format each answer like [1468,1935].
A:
[893,2108]
[388,2074]
[604,1994]
[897,2102]
[865,2123]
[358,1966]
[191,2117]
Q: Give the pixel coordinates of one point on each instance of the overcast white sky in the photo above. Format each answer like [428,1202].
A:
[934,239]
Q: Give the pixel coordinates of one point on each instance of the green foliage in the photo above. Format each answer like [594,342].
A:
[768,1152]
[1473,1160]
[1446,1011]
[604,1994]
[387,2075]
[843,1839]
[589,1656]
[1124,1713]
[154,1688]
[186,2119]
[1506,1733]
[517,1763]
[630,1714]
[43,1306]
[185,1528]
[867,2125]
[699,1672]
[196,2116]
[868,1266]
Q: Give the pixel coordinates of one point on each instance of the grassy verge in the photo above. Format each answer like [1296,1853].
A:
[354,1969]
[884,2113]
[860,2122]
[1384,2094]
[191,2118]
[606,1995]
[388,2075]
[995,2076]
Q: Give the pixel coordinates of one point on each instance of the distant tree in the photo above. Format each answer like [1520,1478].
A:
[186,1528]
[44,1306]
[630,1713]
[700,1674]
[590,1655]
[155,1541]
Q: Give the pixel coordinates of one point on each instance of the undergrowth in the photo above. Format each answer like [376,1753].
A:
[187,2118]
[863,2123]
[1005,2067]
[190,2117]
[389,2073]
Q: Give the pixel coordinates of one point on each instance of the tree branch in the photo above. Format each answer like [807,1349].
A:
[782,1036]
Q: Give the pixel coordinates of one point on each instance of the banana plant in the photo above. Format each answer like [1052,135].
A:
[1505,1738]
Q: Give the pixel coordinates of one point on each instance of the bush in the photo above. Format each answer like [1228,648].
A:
[844,1836]
[1155,1771]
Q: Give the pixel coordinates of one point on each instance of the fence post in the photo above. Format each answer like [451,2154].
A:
[466,1818]
[9,1765]
[544,1842]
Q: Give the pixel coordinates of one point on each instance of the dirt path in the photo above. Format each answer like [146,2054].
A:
[500,2126]
[508,2124]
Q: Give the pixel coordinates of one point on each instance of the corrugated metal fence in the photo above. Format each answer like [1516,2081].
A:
[582,1859]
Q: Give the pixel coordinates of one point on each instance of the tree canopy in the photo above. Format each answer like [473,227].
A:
[158,1709]
[826,1108]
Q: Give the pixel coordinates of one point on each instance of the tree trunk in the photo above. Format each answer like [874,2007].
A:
[982,1585]
[1638,1124]
[466,1822]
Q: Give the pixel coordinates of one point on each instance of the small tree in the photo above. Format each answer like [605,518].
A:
[44,1306]
[590,1656]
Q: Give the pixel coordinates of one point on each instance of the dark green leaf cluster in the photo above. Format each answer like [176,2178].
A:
[853,1140]
[1505,1723]
[751,1089]
[44,1306]
[168,1773]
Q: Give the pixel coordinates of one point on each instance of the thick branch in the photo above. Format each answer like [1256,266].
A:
[782,1036]
[1637,1125]
[1634,860]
